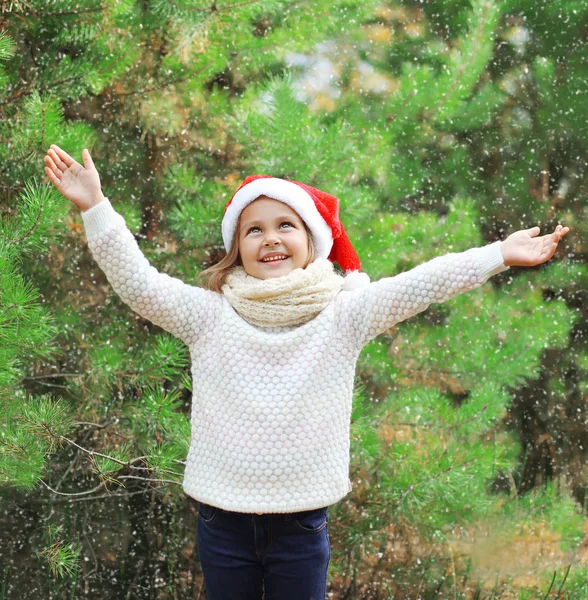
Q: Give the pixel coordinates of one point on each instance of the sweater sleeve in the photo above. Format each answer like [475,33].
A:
[367,312]
[177,307]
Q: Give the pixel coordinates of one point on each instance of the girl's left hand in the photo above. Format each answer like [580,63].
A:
[524,249]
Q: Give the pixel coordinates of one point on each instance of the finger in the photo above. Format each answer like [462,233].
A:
[547,252]
[57,160]
[63,155]
[533,231]
[56,170]
[552,250]
[88,162]
[52,178]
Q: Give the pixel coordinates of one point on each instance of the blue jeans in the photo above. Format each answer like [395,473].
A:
[275,556]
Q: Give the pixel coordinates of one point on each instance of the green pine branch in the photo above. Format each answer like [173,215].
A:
[61,556]
[467,62]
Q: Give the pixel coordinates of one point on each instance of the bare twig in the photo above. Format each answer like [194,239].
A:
[151,480]
[54,375]
[73,494]
[125,494]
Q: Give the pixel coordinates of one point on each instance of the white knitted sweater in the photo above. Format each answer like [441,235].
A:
[271,406]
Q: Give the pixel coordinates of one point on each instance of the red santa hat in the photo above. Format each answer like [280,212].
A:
[319,210]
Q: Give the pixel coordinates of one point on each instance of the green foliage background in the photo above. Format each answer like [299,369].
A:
[441,125]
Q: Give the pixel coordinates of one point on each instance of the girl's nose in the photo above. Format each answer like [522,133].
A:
[273,241]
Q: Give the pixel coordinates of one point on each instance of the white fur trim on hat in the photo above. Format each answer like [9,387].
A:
[355,280]
[287,192]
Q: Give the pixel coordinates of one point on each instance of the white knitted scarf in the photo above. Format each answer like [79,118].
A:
[291,299]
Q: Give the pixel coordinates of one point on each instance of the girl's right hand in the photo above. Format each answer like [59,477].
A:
[79,184]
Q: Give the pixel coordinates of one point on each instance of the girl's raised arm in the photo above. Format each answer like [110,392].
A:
[177,307]
[370,311]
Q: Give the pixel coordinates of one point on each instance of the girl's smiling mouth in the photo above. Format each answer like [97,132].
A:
[274,258]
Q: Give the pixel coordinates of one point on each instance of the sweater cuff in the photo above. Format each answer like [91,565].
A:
[492,262]
[100,218]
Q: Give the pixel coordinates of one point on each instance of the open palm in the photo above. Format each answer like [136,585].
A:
[524,249]
[80,184]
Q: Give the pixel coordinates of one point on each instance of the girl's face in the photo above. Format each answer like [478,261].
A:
[267,228]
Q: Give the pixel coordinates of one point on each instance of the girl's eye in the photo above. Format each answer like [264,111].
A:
[283,223]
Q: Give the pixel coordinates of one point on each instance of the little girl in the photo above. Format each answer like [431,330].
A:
[274,340]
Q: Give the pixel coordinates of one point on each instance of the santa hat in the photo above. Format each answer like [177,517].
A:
[319,210]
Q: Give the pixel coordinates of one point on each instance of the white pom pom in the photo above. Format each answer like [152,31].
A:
[355,280]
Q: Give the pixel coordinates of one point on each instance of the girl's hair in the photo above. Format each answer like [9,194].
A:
[214,277]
